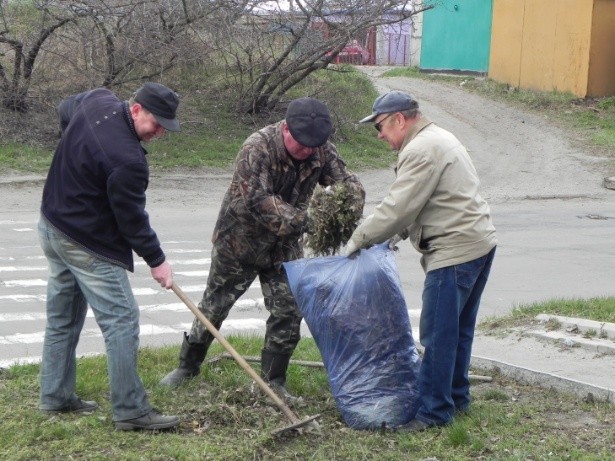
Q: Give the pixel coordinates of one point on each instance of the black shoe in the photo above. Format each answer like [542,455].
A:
[154,420]
[76,406]
[283,393]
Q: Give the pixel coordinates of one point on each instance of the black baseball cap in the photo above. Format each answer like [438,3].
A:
[162,102]
[309,122]
[394,101]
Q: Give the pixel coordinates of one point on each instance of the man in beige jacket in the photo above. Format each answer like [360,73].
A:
[434,201]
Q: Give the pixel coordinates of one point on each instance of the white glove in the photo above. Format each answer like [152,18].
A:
[393,241]
[351,248]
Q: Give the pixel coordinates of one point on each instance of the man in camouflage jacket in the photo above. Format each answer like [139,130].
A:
[263,215]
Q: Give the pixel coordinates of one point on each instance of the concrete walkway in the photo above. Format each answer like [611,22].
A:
[570,358]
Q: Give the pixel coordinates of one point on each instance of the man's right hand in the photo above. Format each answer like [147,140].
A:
[163,275]
[351,250]
[393,241]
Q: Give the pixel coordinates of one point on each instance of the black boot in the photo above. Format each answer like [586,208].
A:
[190,358]
[273,370]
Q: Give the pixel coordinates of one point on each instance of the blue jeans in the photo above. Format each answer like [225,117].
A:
[76,279]
[451,297]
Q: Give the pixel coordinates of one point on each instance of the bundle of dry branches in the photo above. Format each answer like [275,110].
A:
[334,213]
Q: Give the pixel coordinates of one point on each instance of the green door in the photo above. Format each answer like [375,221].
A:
[457,35]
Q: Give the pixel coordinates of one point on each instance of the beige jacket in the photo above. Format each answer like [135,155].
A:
[434,200]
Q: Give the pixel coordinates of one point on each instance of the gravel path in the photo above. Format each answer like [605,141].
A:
[519,155]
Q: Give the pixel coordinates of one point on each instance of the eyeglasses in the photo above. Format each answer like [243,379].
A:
[378,125]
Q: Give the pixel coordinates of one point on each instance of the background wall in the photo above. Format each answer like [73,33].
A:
[456,36]
[394,44]
[602,52]
[563,45]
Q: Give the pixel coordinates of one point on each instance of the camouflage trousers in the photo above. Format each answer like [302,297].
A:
[228,280]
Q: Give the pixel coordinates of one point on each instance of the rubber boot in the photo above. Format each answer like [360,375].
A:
[191,357]
[273,370]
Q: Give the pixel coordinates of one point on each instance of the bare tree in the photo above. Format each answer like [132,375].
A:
[137,40]
[274,46]
[113,41]
[24,28]
[264,47]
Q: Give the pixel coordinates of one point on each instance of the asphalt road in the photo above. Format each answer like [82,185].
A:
[555,228]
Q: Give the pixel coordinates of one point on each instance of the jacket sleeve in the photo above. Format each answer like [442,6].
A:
[417,178]
[256,182]
[68,107]
[126,187]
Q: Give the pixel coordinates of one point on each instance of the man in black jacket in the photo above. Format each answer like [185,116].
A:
[92,219]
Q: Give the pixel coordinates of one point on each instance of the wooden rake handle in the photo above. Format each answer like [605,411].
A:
[238,358]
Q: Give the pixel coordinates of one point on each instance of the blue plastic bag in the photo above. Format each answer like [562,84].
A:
[356,312]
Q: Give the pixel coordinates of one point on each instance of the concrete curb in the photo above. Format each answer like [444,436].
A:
[581,325]
[544,380]
[590,335]
[599,346]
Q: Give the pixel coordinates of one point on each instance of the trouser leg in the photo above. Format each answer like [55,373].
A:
[438,334]
[467,323]
[283,325]
[66,311]
[227,281]
[117,314]
[283,330]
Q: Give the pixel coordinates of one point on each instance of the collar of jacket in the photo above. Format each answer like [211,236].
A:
[129,120]
[414,130]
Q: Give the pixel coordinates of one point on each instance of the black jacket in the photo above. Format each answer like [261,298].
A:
[95,189]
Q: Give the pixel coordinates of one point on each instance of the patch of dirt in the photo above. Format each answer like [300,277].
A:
[214,412]
[517,153]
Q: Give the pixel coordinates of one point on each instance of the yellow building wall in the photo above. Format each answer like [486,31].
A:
[537,44]
[571,45]
[563,45]
[602,52]
[506,36]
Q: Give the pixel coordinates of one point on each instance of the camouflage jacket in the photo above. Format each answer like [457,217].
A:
[264,211]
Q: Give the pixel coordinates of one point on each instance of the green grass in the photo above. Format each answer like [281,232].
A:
[212,132]
[21,157]
[199,148]
[601,309]
[225,418]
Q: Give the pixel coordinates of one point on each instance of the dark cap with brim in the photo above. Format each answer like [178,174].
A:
[395,101]
[309,122]
[162,102]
